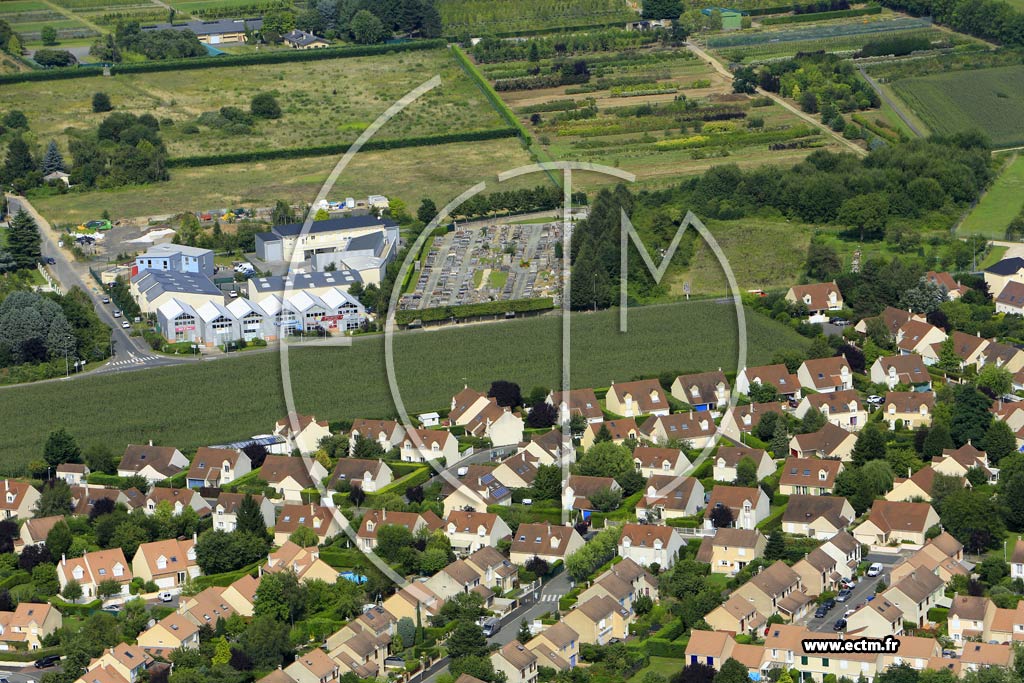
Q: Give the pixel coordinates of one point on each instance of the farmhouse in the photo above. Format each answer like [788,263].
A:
[301,40]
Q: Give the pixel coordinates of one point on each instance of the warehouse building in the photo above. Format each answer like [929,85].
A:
[331,235]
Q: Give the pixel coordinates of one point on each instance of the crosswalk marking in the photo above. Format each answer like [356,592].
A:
[134,360]
[550,598]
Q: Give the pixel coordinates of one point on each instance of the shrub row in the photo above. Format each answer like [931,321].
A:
[821,16]
[659,647]
[279,57]
[31,655]
[475,310]
[492,97]
[338,148]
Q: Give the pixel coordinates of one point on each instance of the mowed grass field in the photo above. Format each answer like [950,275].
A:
[743,243]
[323,102]
[1000,205]
[989,100]
[440,172]
[230,399]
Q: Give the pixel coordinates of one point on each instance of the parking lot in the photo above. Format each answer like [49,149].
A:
[490,263]
[859,595]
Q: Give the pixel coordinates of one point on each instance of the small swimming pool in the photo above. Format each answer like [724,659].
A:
[353,577]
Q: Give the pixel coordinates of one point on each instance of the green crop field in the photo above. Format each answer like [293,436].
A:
[475,17]
[324,102]
[646,133]
[440,172]
[988,100]
[1000,205]
[235,398]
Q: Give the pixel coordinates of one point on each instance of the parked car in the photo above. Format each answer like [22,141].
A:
[166,596]
[839,625]
[875,569]
[47,661]
[117,313]
[844,595]
[126,325]
[848,583]
[105,299]
[821,611]
[875,399]
[829,603]
[50,260]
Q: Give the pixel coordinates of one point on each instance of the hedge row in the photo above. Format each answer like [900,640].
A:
[18,578]
[29,656]
[492,97]
[338,148]
[821,16]
[279,57]
[222,580]
[109,480]
[659,647]
[69,608]
[475,310]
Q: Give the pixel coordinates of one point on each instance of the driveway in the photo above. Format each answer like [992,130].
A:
[864,589]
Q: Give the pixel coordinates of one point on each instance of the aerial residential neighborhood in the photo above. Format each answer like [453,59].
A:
[448,341]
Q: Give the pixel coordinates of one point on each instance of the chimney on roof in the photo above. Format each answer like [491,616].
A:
[63,559]
[151,442]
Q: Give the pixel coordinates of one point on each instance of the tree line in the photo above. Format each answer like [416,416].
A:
[895,185]
[989,19]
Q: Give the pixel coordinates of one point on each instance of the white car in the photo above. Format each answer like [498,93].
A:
[166,596]
[875,569]
[875,399]
[125,324]
[117,314]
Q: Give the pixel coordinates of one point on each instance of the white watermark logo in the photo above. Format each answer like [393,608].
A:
[628,233]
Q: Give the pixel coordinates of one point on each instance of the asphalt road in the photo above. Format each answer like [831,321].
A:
[530,608]
[128,352]
[864,589]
